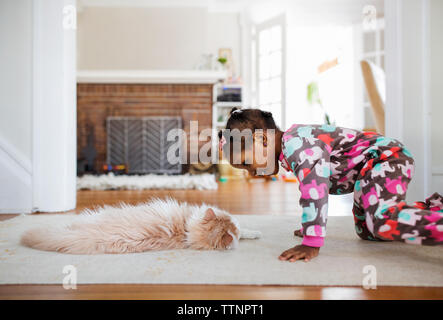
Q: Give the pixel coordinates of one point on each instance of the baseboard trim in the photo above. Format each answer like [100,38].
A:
[15,211]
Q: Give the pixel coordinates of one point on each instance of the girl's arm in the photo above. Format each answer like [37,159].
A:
[309,159]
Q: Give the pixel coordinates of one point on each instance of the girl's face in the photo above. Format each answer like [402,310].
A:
[258,159]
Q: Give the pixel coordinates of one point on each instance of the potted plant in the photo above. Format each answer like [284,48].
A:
[313,97]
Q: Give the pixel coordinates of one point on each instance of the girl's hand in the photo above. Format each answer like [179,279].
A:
[299,252]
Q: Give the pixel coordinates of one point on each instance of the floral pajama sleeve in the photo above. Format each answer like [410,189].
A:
[337,160]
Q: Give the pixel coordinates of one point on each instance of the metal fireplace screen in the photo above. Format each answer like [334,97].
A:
[141,143]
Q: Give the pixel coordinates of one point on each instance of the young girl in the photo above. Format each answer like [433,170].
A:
[336,160]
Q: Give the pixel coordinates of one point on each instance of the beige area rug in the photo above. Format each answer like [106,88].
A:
[341,261]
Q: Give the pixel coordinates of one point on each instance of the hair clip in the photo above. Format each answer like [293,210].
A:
[222,142]
[235,111]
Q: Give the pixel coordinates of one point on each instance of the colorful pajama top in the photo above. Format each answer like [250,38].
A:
[328,160]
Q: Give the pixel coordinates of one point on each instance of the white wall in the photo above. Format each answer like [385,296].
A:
[436,94]
[312,12]
[15,105]
[153,38]
[15,67]
[224,31]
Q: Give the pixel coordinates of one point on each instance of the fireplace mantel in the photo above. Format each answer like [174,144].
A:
[150,76]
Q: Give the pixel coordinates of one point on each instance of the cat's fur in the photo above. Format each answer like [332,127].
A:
[155,225]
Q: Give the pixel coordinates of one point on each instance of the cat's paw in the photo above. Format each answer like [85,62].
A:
[250,234]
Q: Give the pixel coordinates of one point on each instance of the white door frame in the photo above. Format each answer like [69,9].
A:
[54,138]
[407,76]
[393,70]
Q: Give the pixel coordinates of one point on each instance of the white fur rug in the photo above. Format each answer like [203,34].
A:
[148,181]
[341,262]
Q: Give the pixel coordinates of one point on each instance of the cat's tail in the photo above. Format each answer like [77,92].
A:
[66,239]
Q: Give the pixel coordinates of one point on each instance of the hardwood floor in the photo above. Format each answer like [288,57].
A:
[239,198]
[213,292]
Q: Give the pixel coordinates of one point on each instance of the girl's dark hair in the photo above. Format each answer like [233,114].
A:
[249,119]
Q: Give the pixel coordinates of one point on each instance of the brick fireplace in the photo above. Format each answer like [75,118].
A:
[97,101]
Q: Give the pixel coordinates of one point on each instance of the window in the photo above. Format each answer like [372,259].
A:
[269,52]
[374,51]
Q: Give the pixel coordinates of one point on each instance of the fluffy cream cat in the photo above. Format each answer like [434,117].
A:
[155,225]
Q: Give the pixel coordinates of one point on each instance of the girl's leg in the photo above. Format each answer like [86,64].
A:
[388,216]
[433,202]
[410,224]
[360,223]
[358,211]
